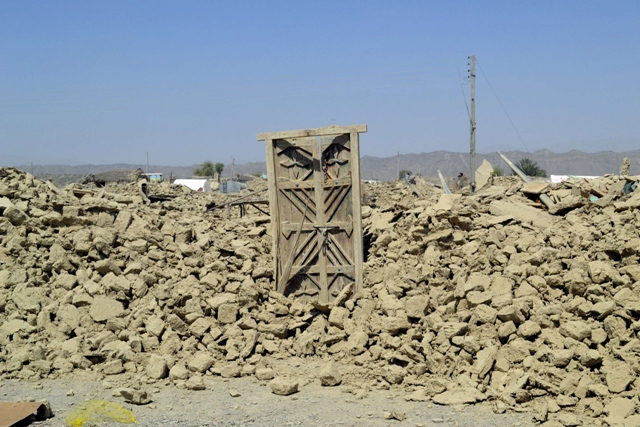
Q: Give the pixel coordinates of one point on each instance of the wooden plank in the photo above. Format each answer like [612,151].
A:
[287,185]
[338,182]
[282,284]
[357,210]
[318,179]
[329,130]
[273,206]
[11,413]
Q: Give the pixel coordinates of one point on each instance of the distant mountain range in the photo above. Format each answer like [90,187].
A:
[384,168]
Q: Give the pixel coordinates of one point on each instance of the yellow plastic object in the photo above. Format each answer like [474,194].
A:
[97,411]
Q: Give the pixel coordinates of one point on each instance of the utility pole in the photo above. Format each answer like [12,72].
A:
[398,167]
[233,168]
[472,75]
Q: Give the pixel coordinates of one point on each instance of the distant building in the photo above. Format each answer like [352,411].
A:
[153,177]
[201,185]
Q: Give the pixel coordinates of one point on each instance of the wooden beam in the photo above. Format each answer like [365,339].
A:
[356,195]
[273,207]
[329,130]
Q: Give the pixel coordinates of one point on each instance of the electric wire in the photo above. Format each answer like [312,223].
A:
[503,109]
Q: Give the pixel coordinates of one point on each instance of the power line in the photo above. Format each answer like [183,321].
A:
[503,109]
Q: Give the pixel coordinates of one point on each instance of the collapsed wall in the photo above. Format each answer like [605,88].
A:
[466,297]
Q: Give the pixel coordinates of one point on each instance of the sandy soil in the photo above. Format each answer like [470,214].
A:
[255,405]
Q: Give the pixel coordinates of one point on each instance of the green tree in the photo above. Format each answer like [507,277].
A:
[498,171]
[219,168]
[404,173]
[530,168]
[206,169]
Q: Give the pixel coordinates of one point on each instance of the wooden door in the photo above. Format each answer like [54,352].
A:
[314,197]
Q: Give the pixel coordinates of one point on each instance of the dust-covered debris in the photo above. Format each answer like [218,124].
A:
[466,298]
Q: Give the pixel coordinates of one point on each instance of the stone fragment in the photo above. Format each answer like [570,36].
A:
[157,367]
[200,362]
[394,374]
[330,375]
[104,308]
[459,396]
[283,386]
[230,371]
[576,329]
[227,313]
[416,306]
[114,367]
[395,415]
[591,358]
[529,329]
[620,407]
[179,371]
[601,272]
[195,383]
[512,313]
[618,377]
[136,397]
[15,215]
[506,329]
[337,316]
[265,374]
[560,358]
[484,361]
[155,326]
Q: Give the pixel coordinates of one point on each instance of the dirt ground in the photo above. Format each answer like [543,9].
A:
[255,405]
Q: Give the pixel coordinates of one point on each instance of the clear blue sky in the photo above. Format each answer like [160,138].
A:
[106,81]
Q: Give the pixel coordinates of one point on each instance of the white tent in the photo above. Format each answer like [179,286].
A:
[195,184]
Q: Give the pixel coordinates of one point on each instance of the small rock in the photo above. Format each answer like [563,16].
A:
[265,374]
[137,397]
[283,386]
[459,396]
[395,415]
[234,393]
[618,377]
[195,383]
[330,375]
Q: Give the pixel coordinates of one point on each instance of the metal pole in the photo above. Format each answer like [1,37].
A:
[233,168]
[147,163]
[445,187]
[546,200]
[472,72]
[398,166]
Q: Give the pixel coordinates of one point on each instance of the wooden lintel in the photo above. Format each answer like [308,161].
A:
[329,130]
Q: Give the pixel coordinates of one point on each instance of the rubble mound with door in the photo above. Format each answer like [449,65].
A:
[465,298]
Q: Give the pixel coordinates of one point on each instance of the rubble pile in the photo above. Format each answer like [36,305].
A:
[466,298]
